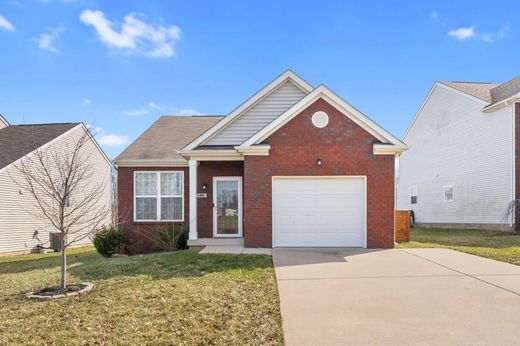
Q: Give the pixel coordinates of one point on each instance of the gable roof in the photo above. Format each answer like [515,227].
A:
[505,90]
[237,112]
[477,89]
[160,142]
[16,141]
[344,107]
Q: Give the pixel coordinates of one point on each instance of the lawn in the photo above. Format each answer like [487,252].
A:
[165,298]
[499,245]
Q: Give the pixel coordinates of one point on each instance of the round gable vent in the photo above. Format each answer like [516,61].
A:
[320,119]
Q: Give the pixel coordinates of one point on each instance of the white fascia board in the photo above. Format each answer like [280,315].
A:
[211,155]
[40,148]
[255,150]
[152,163]
[4,120]
[341,105]
[287,75]
[494,106]
[435,85]
[388,149]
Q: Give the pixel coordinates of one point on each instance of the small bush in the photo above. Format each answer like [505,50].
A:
[168,237]
[109,241]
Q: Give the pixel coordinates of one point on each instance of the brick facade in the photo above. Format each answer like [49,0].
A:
[140,236]
[344,148]
[205,173]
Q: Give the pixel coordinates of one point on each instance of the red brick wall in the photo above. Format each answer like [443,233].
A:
[345,149]
[206,171]
[517,150]
[140,235]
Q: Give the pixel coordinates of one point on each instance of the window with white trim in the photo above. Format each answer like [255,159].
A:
[413,194]
[159,196]
[448,193]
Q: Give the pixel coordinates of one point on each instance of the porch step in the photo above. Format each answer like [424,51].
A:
[216,242]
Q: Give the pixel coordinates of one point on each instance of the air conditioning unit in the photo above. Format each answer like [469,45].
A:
[55,240]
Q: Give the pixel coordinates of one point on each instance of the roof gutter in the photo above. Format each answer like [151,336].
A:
[506,102]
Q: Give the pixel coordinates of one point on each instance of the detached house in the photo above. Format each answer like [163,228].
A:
[22,227]
[462,169]
[294,165]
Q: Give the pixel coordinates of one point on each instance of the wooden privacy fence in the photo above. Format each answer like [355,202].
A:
[402,226]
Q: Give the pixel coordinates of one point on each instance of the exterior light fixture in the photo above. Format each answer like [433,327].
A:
[319,162]
[204,187]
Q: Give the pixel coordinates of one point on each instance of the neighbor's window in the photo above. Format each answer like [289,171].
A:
[159,196]
[448,193]
[413,194]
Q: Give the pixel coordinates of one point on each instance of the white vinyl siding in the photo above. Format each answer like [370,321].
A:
[454,143]
[159,196]
[259,115]
[18,220]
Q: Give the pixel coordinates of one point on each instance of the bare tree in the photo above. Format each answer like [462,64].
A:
[68,195]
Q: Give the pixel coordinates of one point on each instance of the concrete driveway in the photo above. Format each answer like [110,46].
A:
[412,296]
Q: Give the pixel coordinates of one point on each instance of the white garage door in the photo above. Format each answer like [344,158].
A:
[319,212]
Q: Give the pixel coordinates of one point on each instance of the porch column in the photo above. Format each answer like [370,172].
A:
[193,198]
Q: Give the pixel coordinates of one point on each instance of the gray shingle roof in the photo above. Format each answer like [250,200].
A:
[479,90]
[167,135]
[16,141]
[505,90]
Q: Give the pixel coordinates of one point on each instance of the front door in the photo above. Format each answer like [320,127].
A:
[227,206]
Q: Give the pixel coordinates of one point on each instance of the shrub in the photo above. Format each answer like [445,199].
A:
[168,237]
[109,241]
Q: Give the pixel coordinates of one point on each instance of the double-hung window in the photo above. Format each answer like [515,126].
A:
[448,193]
[413,194]
[159,196]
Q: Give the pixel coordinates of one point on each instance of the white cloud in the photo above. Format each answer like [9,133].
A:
[136,112]
[152,104]
[462,33]
[470,32]
[188,111]
[86,102]
[5,24]
[107,139]
[46,40]
[134,35]
[113,140]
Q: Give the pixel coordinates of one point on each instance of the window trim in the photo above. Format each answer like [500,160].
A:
[416,194]
[452,193]
[158,196]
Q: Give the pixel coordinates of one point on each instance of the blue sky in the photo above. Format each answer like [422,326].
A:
[121,64]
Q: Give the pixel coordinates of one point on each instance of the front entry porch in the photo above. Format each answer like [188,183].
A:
[216,203]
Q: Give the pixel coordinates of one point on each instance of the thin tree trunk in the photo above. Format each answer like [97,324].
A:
[63,262]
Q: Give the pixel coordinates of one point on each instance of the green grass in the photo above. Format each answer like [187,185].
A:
[499,245]
[166,298]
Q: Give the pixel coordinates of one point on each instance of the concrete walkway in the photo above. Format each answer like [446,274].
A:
[396,297]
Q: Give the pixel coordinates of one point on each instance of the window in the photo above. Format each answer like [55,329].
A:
[159,196]
[413,194]
[448,193]
[62,192]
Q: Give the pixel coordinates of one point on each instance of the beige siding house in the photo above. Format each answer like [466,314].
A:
[20,228]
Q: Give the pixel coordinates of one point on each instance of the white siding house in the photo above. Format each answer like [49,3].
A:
[20,228]
[459,170]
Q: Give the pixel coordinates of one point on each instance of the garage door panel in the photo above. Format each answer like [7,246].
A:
[318,211]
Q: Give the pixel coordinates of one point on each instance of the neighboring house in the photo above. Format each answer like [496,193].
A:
[462,167]
[294,165]
[20,227]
